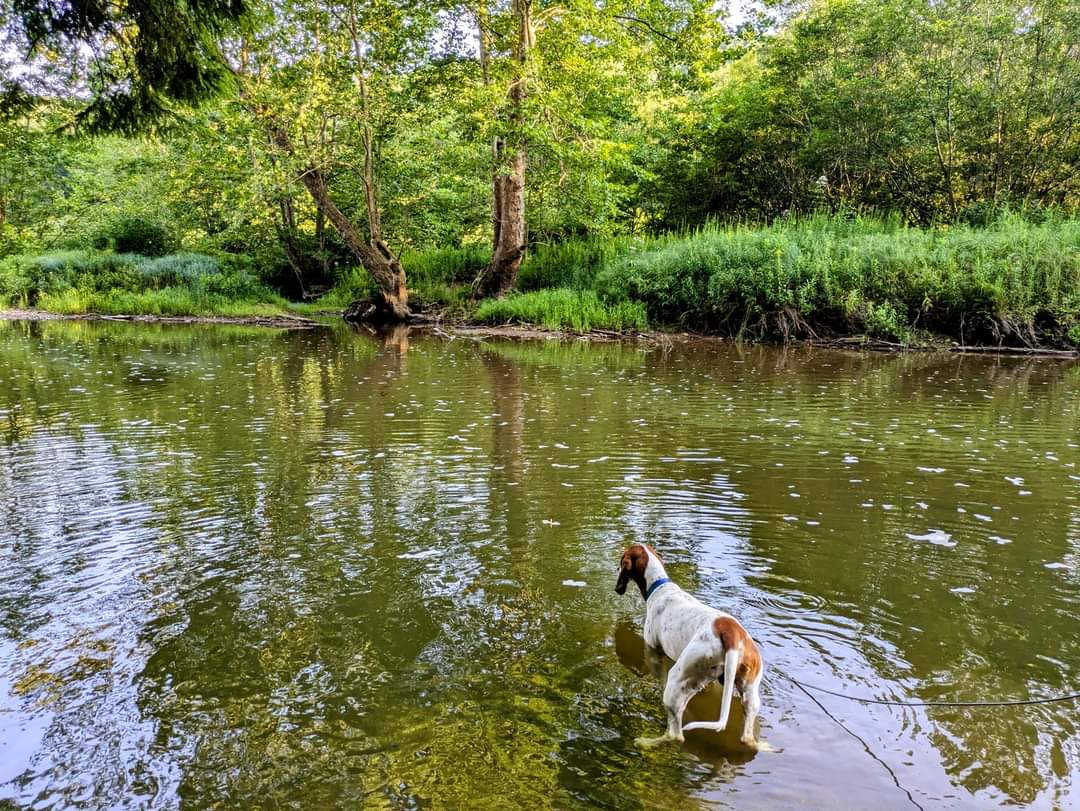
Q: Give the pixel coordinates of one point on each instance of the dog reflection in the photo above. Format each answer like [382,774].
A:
[713,747]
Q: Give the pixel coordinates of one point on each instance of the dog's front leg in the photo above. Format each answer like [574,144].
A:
[681,686]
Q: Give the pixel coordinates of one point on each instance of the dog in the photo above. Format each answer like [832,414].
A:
[706,644]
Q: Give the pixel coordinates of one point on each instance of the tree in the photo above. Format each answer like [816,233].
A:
[138,59]
[508,158]
[323,81]
[938,111]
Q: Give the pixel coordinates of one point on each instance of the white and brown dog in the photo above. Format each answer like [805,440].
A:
[706,645]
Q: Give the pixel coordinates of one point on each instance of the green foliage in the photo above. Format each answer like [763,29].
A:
[636,124]
[145,55]
[1002,282]
[942,111]
[353,284]
[560,308]
[886,321]
[573,263]
[438,277]
[169,301]
[136,234]
[445,265]
[90,281]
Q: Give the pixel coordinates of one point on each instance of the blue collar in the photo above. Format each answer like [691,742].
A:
[663,581]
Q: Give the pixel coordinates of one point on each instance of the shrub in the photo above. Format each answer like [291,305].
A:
[671,281]
[136,235]
[352,285]
[886,321]
[84,281]
[825,272]
[203,274]
[561,308]
[24,278]
[444,265]
[183,269]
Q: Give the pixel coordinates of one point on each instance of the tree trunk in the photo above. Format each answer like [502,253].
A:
[508,184]
[392,303]
[508,249]
[286,228]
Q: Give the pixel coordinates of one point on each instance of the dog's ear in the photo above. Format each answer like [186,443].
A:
[625,566]
[632,567]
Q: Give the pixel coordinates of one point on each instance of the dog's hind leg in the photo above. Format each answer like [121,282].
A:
[751,706]
[728,669]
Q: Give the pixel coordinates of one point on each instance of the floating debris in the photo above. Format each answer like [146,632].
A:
[938,537]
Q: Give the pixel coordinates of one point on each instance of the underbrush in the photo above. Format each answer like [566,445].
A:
[573,264]
[131,284]
[1011,282]
[564,308]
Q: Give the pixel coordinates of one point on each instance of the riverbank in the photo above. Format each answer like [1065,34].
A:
[1013,284]
[277,321]
[450,331]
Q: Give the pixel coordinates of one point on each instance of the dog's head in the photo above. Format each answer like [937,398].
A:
[632,567]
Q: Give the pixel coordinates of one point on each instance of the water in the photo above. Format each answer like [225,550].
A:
[243,567]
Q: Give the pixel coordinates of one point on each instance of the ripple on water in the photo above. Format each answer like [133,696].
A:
[227,571]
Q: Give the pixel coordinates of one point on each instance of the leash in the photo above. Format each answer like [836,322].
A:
[895,703]
[859,738]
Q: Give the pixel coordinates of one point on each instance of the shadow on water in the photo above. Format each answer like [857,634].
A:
[244,567]
[712,747]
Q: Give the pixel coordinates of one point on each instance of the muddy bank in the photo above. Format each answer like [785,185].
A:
[275,321]
[862,343]
[520,332]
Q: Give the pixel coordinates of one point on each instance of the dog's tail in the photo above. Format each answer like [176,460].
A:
[731,665]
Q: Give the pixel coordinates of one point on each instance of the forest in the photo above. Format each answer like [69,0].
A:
[901,169]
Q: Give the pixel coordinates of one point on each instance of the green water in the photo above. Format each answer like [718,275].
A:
[248,568]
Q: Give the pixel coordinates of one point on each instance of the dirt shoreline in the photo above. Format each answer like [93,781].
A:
[519,332]
[856,343]
[276,321]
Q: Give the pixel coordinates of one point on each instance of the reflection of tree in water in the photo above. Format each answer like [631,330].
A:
[322,627]
[344,603]
[508,500]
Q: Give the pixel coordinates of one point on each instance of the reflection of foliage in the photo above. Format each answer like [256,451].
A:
[614,355]
[309,595]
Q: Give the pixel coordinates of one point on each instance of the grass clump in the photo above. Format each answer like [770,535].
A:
[1015,280]
[572,264]
[563,308]
[444,266]
[130,284]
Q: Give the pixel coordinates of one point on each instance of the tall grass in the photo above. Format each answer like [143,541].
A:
[444,266]
[572,264]
[563,308]
[1014,281]
[105,282]
[1011,281]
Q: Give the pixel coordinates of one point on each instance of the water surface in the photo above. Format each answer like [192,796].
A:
[243,567]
